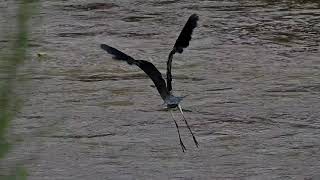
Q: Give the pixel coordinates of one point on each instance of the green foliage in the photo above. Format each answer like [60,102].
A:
[10,60]
[18,174]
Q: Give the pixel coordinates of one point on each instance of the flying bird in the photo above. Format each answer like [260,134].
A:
[164,89]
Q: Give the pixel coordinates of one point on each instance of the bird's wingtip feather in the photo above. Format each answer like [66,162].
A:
[194,16]
[104,46]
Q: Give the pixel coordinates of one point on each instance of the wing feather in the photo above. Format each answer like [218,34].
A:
[182,42]
[146,66]
[117,54]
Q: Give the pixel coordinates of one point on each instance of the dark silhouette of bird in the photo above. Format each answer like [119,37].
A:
[164,89]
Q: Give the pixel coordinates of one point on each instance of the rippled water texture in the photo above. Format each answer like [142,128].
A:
[251,73]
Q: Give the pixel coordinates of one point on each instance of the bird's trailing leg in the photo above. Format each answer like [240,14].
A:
[181,143]
[185,120]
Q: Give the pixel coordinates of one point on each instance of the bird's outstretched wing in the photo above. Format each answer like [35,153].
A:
[182,42]
[155,76]
[117,54]
[146,66]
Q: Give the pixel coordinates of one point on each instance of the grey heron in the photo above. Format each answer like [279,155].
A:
[165,90]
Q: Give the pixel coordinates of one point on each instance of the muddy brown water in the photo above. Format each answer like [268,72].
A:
[251,72]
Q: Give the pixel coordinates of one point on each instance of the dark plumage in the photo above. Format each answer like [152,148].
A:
[185,35]
[146,66]
[117,54]
[163,89]
[182,42]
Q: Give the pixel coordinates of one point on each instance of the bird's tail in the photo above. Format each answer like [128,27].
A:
[118,54]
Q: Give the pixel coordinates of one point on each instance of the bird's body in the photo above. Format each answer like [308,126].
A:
[164,88]
[172,101]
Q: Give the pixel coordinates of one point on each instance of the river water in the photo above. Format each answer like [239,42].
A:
[251,74]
